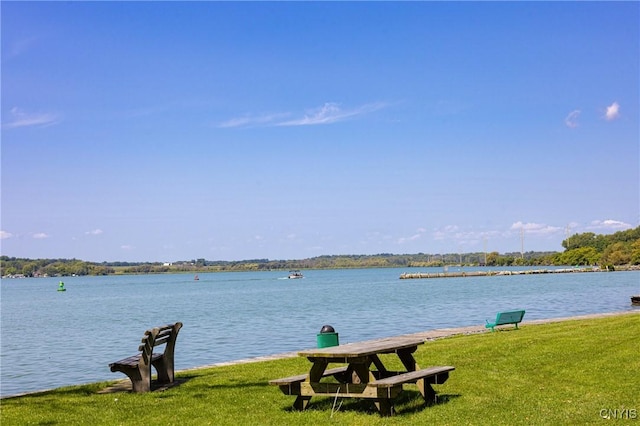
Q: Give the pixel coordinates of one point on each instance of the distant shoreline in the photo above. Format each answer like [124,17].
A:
[616,268]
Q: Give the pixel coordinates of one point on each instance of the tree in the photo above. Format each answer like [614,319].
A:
[635,252]
[586,239]
[492,258]
[11,270]
[617,254]
[580,256]
[29,269]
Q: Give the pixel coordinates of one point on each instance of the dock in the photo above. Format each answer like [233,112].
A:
[460,274]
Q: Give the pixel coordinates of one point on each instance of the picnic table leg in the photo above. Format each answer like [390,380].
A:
[427,391]
[317,370]
[379,365]
[361,373]
[385,407]
[301,402]
[315,374]
[409,362]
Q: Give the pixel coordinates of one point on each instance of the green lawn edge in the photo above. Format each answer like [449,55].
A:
[583,371]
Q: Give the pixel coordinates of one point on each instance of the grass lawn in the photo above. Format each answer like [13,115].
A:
[570,372]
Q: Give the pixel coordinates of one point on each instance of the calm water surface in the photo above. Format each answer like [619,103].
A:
[229,316]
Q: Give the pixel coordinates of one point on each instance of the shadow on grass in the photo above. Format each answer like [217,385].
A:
[202,386]
[125,385]
[503,330]
[407,402]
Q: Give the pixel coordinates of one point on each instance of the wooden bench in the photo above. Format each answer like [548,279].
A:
[391,387]
[504,318]
[138,367]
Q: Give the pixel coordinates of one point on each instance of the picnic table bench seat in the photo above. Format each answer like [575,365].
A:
[505,318]
[138,367]
[424,378]
[382,390]
[291,385]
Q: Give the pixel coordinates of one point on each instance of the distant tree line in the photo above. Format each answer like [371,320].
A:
[621,248]
[12,266]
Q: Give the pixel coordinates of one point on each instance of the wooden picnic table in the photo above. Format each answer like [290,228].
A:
[364,375]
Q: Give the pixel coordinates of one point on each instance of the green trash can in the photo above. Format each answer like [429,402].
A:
[327,337]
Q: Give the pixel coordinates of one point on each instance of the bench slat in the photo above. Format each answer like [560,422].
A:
[411,376]
[161,340]
[134,360]
[131,361]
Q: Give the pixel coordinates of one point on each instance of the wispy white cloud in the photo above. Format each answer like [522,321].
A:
[460,238]
[20,118]
[127,247]
[371,238]
[94,232]
[328,113]
[40,236]
[463,237]
[608,224]
[445,233]
[418,235]
[572,119]
[4,235]
[249,120]
[414,237]
[236,122]
[613,112]
[535,228]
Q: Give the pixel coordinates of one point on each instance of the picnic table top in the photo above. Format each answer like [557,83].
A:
[362,349]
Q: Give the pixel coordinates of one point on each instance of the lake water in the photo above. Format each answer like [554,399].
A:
[51,339]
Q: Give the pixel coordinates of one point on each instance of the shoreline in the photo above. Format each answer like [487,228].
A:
[426,336]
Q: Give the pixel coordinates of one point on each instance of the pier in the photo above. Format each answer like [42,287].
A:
[459,274]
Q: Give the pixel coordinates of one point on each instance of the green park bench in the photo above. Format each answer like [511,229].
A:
[505,318]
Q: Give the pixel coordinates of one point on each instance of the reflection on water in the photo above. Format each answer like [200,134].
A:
[230,316]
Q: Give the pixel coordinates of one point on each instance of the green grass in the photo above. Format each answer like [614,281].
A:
[556,373]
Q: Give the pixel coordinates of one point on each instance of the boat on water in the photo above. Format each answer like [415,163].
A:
[295,274]
[196,278]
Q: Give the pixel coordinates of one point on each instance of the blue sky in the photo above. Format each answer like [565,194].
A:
[155,131]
